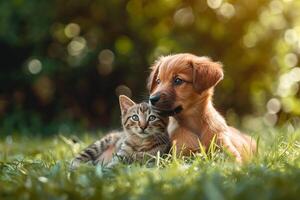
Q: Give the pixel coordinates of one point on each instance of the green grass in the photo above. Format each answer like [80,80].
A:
[37,168]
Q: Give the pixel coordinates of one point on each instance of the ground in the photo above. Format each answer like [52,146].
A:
[37,168]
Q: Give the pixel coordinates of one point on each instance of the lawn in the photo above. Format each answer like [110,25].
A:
[37,168]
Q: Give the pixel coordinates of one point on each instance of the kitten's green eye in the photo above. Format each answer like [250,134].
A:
[152,118]
[135,118]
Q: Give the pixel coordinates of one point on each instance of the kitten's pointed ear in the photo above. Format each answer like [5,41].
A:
[125,103]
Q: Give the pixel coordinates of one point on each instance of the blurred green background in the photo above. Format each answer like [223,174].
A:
[64,62]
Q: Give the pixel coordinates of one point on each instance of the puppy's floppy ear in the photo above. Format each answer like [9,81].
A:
[206,73]
[153,76]
[125,103]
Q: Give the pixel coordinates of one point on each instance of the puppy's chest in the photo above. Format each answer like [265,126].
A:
[174,128]
[185,138]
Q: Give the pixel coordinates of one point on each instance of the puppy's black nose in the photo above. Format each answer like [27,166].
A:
[154,98]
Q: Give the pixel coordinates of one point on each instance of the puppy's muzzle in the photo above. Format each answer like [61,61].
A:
[173,112]
[167,113]
[160,103]
[154,98]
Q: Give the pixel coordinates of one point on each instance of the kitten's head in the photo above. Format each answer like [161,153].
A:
[140,119]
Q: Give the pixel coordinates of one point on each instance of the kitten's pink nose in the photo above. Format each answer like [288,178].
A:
[143,126]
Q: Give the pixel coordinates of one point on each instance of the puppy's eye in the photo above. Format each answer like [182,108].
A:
[135,118]
[157,81]
[178,81]
[151,118]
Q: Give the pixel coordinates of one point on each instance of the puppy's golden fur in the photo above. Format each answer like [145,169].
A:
[185,85]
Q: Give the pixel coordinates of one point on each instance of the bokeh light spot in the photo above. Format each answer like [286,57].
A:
[76,46]
[291,59]
[250,40]
[34,66]
[72,30]
[295,74]
[106,56]
[273,106]
[278,22]
[287,86]
[44,89]
[123,90]
[227,10]
[270,119]
[276,7]
[184,16]
[252,123]
[57,32]
[123,45]
[214,4]
[290,36]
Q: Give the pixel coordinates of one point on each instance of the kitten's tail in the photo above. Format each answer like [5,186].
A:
[94,151]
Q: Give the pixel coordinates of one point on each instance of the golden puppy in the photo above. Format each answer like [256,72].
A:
[182,87]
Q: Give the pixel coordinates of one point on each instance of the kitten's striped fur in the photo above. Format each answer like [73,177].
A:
[144,133]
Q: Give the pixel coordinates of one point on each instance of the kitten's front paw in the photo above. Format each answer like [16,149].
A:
[114,162]
[74,164]
[125,159]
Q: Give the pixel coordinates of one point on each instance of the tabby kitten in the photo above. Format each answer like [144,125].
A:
[144,133]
